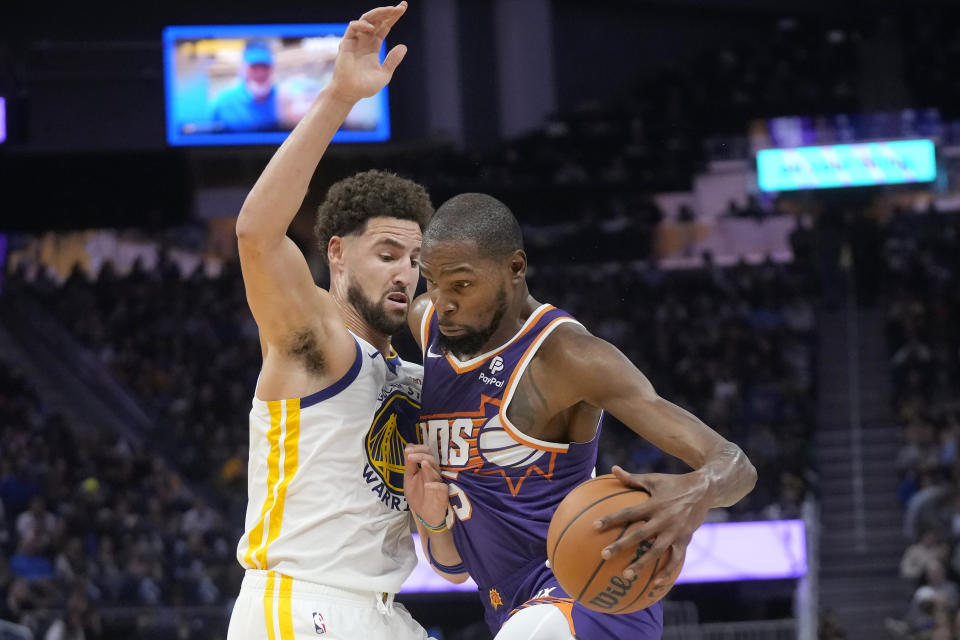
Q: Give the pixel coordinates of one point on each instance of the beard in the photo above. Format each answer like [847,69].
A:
[473,340]
[374,313]
[259,90]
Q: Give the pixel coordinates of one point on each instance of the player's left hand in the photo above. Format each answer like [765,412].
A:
[357,70]
[677,506]
[423,486]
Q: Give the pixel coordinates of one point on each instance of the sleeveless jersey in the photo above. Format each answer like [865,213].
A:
[325,479]
[504,485]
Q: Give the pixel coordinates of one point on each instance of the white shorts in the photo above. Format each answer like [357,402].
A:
[272,606]
[539,622]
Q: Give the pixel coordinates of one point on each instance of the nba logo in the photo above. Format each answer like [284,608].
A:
[318,623]
[496,366]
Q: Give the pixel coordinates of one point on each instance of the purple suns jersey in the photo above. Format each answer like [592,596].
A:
[504,485]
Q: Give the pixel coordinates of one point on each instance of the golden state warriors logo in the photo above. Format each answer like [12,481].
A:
[394,425]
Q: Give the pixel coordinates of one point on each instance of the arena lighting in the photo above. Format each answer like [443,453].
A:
[3,120]
[846,165]
[718,552]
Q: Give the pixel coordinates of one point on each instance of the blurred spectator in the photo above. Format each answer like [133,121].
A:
[929,550]
[37,524]
[945,589]
[199,519]
[28,563]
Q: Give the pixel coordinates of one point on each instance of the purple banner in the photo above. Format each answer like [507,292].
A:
[718,552]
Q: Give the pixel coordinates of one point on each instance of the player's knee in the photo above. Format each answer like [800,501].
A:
[539,622]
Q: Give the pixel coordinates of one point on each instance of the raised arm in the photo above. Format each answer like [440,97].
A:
[599,374]
[280,289]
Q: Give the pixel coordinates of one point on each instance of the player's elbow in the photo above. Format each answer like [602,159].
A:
[751,474]
[252,238]
[747,470]
[246,229]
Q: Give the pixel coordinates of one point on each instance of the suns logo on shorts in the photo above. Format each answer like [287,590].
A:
[394,425]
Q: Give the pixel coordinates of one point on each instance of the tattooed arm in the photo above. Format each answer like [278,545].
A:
[589,370]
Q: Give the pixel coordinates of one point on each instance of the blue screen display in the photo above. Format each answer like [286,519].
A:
[251,84]
[847,165]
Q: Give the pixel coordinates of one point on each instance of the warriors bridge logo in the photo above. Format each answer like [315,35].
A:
[394,425]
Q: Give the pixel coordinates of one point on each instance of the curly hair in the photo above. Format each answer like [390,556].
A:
[352,201]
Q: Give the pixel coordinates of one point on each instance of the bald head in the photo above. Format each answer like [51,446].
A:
[478,219]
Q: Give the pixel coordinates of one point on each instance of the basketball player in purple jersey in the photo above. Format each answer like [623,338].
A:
[512,399]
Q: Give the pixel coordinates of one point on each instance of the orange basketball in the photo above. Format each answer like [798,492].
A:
[574,546]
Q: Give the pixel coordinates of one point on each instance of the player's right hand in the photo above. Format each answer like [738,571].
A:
[357,72]
[423,486]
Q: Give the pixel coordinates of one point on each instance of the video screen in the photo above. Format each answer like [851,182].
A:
[3,120]
[847,165]
[251,84]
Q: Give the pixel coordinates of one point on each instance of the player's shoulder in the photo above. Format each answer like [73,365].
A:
[417,314]
[567,341]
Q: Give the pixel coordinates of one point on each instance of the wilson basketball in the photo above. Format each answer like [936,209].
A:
[574,546]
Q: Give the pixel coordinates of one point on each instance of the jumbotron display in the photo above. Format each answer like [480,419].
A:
[251,84]
[846,165]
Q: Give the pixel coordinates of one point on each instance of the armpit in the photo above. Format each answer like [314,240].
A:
[303,346]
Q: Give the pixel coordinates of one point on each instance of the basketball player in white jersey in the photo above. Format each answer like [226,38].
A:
[327,534]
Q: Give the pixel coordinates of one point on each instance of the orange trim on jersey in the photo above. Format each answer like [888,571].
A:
[516,434]
[476,365]
[515,489]
[564,604]
[479,413]
[425,329]
[475,461]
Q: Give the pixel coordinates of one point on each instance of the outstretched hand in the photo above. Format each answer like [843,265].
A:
[424,488]
[676,508]
[357,72]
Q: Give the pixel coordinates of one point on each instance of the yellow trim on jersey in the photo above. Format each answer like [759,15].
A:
[291,449]
[268,605]
[285,426]
[283,608]
[252,556]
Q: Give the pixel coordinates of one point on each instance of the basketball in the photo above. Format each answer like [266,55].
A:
[574,546]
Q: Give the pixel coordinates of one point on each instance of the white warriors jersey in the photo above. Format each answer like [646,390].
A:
[325,479]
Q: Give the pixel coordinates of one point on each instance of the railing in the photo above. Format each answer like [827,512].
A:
[755,630]
[806,603]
